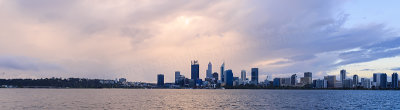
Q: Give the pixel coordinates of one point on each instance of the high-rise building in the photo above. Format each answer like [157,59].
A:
[222,72]
[194,70]
[365,83]
[395,80]
[307,74]
[293,80]
[342,75]
[254,75]
[321,83]
[209,71]
[355,80]
[348,83]
[177,76]
[276,82]
[383,81]
[243,75]
[285,82]
[331,80]
[160,80]
[229,77]
[378,81]
[306,80]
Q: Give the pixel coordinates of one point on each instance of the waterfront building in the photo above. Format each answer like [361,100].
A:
[276,82]
[236,81]
[395,80]
[222,72]
[365,83]
[321,83]
[293,80]
[177,76]
[355,80]
[308,74]
[331,80]
[243,77]
[285,82]
[338,84]
[348,83]
[209,71]
[254,76]
[215,76]
[342,75]
[306,80]
[380,80]
[383,81]
[195,70]
[229,77]
[160,80]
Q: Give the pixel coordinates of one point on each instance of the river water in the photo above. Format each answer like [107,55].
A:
[144,99]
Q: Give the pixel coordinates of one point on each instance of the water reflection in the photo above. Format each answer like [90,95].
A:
[196,99]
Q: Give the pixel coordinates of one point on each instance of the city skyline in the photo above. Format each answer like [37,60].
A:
[138,40]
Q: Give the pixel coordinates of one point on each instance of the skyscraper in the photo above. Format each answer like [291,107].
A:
[209,71]
[229,77]
[194,70]
[383,81]
[160,80]
[331,80]
[307,79]
[342,75]
[395,80]
[293,80]
[355,80]
[365,83]
[222,72]
[177,76]
[254,75]
[307,74]
[377,79]
[277,82]
[243,75]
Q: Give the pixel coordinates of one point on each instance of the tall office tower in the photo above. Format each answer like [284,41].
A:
[222,72]
[209,71]
[348,83]
[365,83]
[355,80]
[160,80]
[177,76]
[377,79]
[321,83]
[195,70]
[243,75]
[395,80]
[383,81]
[342,75]
[307,74]
[331,80]
[254,75]
[293,80]
[229,77]
[276,82]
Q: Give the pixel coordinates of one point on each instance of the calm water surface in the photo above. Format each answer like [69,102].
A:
[57,99]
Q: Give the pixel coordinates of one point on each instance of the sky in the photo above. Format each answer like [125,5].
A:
[138,39]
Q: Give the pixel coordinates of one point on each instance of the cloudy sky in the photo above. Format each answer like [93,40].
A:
[138,39]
